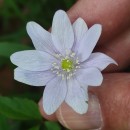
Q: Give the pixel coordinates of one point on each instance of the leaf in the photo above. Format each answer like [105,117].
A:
[20,109]
[35,128]
[13,5]
[8,124]
[4,123]
[6,49]
[52,125]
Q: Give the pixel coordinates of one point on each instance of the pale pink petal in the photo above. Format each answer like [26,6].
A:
[89,41]
[40,37]
[98,60]
[76,97]
[89,76]
[62,32]
[33,78]
[33,60]
[54,95]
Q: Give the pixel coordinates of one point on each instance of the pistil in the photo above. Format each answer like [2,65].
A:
[67,65]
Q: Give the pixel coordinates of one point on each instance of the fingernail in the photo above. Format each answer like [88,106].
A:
[92,120]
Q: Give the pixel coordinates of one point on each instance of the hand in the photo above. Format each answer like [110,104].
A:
[113,95]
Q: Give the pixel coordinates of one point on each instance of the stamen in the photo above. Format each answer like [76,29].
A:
[77,61]
[71,74]
[66,57]
[72,54]
[54,71]
[58,55]
[68,70]
[57,73]
[54,64]
[77,67]
[68,66]
[67,52]
[56,67]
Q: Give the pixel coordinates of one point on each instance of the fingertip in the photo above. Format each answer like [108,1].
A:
[74,121]
[48,117]
[73,12]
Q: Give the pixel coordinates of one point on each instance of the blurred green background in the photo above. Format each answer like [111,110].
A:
[18,102]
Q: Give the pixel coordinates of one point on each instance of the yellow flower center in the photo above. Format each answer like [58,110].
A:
[67,65]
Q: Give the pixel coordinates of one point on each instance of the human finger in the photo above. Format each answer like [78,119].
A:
[115,36]
[109,111]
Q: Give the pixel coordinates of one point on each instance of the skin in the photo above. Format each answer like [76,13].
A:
[113,94]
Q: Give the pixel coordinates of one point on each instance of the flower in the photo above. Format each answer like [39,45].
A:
[63,61]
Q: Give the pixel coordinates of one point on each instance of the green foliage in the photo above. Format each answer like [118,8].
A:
[6,49]
[20,109]
[52,126]
[35,128]
[4,123]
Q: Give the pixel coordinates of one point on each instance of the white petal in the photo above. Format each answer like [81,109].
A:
[62,32]
[75,97]
[39,78]
[89,41]
[89,76]
[54,95]
[80,28]
[40,37]
[99,60]
[32,60]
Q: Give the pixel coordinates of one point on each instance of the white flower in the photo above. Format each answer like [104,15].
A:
[63,61]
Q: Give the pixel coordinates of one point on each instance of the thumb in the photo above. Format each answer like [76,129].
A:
[116,30]
[92,120]
[99,12]
[109,111]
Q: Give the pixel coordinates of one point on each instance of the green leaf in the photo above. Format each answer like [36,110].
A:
[52,125]
[6,49]
[21,109]
[4,123]
[35,128]
[8,124]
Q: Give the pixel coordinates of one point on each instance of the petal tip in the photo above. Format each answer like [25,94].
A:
[98,27]
[48,111]
[12,58]
[101,80]
[99,83]
[60,12]
[80,19]
[84,111]
[30,25]
[114,62]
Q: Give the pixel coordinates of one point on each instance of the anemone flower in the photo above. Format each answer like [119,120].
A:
[63,62]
